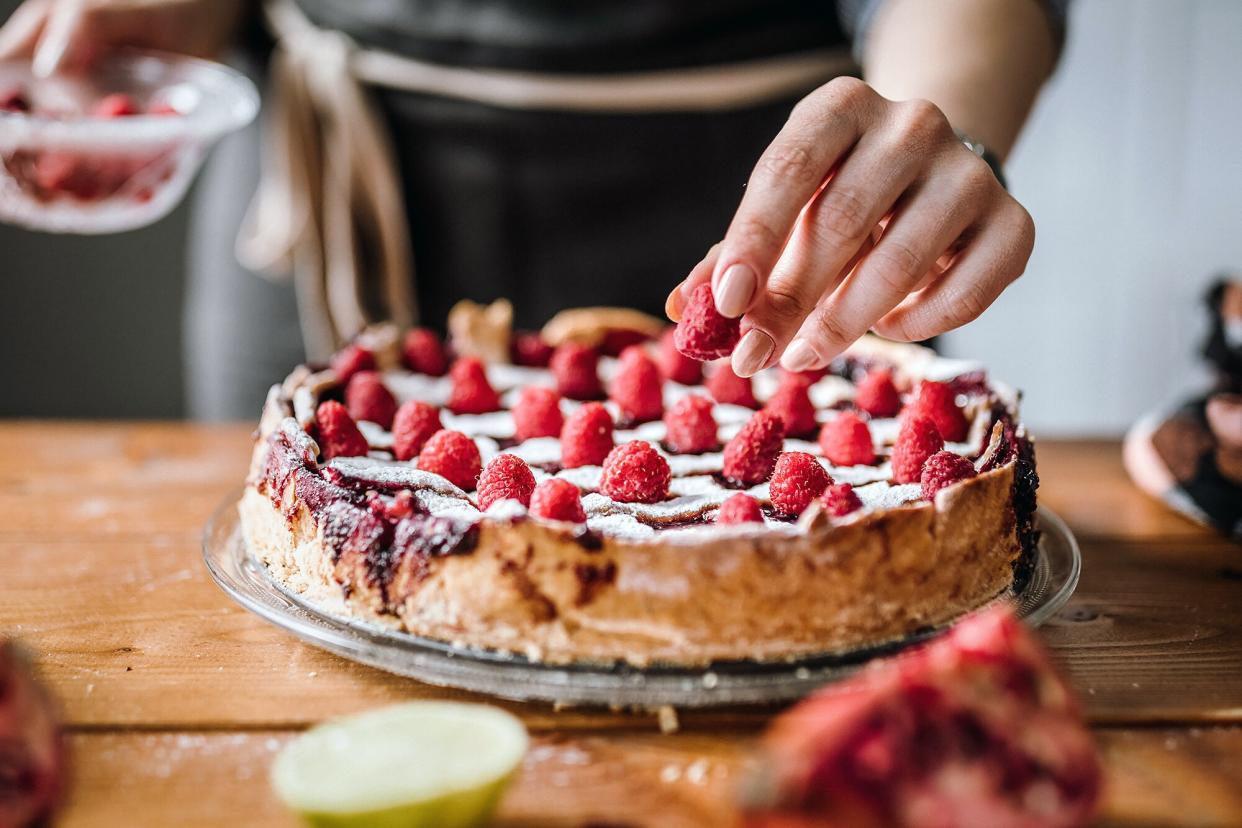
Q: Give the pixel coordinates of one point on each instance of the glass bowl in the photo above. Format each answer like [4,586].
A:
[67,166]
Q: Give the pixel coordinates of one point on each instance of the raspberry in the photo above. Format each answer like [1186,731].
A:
[938,401]
[350,360]
[689,426]
[116,105]
[529,349]
[944,468]
[574,367]
[740,508]
[728,388]
[846,441]
[472,393]
[676,366]
[336,432]
[807,377]
[14,100]
[537,413]
[792,404]
[557,499]
[636,388]
[424,352]
[840,500]
[412,427]
[617,340]
[586,437]
[368,399]
[506,478]
[751,454]
[797,480]
[453,456]
[917,440]
[702,333]
[877,395]
[634,472]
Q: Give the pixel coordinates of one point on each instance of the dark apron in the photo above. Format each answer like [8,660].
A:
[551,210]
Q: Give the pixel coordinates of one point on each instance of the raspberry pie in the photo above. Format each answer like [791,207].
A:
[598,499]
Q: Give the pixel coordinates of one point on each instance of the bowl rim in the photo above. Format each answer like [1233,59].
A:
[203,122]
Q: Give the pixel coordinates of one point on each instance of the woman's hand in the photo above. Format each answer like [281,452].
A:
[70,34]
[863,213]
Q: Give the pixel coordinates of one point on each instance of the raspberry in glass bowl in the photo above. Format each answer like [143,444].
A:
[114,149]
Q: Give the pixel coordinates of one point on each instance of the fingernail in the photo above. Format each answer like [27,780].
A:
[673,304]
[734,290]
[799,356]
[752,353]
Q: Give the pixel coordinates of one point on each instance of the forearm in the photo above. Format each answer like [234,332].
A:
[981,61]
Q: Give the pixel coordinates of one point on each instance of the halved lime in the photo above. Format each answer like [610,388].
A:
[426,763]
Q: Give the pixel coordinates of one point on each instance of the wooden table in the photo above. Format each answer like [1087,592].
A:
[176,699]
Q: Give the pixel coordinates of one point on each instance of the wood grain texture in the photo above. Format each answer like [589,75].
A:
[176,698]
[1154,777]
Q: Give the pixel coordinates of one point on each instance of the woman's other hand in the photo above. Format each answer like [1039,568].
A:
[68,35]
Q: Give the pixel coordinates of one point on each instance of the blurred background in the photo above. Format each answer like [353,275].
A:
[1130,166]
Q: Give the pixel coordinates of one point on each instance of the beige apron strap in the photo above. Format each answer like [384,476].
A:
[329,197]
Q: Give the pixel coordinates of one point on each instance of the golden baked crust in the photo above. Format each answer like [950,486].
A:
[688,594]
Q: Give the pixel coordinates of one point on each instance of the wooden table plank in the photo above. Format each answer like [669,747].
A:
[1153,634]
[1154,777]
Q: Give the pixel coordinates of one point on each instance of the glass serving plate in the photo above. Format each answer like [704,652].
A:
[245,579]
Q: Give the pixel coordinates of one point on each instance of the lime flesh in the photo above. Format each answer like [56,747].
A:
[441,764]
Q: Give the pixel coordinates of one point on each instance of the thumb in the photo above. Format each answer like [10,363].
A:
[60,32]
[22,30]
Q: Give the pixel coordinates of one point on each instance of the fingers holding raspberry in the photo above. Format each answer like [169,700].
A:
[862,213]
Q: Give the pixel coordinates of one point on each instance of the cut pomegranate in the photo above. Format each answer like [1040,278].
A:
[975,729]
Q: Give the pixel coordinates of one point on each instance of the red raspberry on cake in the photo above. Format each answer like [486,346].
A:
[676,366]
[529,349]
[472,393]
[537,413]
[423,352]
[845,440]
[453,456]
[337,433]
[617,340]
[507,477]
[840,499]
[116,105]
[557,499]
[689,426]
[367,398]
[751,455]
[703,333]
[350,360]
[637,388]
[939,401]
[976,728]
[792,403]
[740,508]
[942,469]
[635,472]
[575,367]
[586,437]
[797,480]
[728,388]
[877,395]
[412,426]
[917,439]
